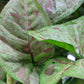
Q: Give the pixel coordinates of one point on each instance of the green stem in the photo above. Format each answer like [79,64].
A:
[10,80]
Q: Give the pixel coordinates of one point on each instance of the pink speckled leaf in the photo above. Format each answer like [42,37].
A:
[59,9]
[18,65]
[54,69]
[17,17]
[69,35]
[22,16]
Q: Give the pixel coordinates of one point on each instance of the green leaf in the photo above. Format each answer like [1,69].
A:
[15,63]
[54,69]
[59,9]
[69,35]
[17,17]
[75,81]
[78,13]
[21,22]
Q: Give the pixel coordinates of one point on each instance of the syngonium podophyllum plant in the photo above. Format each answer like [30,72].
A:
[21,55]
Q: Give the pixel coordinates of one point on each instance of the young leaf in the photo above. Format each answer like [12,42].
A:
[16,19]
[59,9]
[69,35]
[56,68]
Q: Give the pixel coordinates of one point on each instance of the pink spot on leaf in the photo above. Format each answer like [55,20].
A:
[50,71]
[57,29]
[36,13]
[21,74]
[16,15]
[48,50]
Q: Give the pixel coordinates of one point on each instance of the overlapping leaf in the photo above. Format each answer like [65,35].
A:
[42,51]
[59,9]
[69,35]
[75,81]
[16,19]
[56,68]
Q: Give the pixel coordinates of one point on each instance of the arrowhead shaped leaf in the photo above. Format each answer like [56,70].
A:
[59,9]
[69,35]
[16,19]
[56,68]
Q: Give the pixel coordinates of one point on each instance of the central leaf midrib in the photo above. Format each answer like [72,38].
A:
[26,28]
[26,23]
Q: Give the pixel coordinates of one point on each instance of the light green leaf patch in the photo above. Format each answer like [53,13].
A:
[69,35]
[54,69]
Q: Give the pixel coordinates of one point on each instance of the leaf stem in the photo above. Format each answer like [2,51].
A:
[10,80]
[30,50]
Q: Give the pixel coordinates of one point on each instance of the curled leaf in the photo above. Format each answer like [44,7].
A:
[69,35]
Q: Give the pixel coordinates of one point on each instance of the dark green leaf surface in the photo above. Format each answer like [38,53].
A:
[75,81]
[54,69]
[59,9]
[69,35]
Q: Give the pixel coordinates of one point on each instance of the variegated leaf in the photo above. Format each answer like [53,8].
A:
[59,9]
[69,35]
[54,69]
[16,19]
